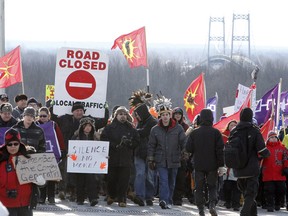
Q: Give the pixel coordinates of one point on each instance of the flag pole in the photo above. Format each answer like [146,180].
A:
[21,71]
[2,34]
[278,104]
[147,69]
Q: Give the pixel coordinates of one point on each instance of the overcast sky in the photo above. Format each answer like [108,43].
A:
[166,21]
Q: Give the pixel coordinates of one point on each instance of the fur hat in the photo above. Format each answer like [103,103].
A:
[272,134]
[20,97]
[162,104]
[246,115]
[12,135]
[6,107]
[4,96]
[123,109]
[77,105]
[140,97]
[87,120]
[29,111]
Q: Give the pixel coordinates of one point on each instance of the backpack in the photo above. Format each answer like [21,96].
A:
[236,150]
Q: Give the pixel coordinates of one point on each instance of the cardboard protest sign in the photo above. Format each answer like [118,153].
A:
[87,156]
[44,164]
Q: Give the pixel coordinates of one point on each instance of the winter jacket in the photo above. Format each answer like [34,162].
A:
[165,146]
[120,154]
[32,136]
[9,123]
[256,145]
[273,166]
[9,182]
[144,127]
[206,144]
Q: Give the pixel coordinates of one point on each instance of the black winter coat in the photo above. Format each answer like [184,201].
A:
[120,155]
[9,123]
[256,145]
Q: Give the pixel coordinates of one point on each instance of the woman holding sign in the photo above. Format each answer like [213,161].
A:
[15,197]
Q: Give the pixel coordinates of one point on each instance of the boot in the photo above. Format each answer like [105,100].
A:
[212,209]
[201,210]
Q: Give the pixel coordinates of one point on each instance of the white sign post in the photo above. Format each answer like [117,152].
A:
[87,156]
[28,169]
[81,75]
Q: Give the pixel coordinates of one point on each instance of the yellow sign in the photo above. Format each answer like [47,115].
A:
[50,90]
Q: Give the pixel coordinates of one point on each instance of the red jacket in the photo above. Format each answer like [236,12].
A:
[272,166]
[9,181]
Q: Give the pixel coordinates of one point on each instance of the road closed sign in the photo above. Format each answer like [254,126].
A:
[81,75]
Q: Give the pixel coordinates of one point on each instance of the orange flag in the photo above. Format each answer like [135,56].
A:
[268,126]
[195,97]
[222,124]
[133,47]
[10,68]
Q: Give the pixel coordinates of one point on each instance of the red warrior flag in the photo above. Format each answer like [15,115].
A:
[10,68]
[133,47]
[195,97]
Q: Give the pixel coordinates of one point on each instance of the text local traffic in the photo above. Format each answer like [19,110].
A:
[84,60]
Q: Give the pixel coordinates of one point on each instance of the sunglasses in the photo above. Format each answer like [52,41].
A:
[13,144]
[43,116]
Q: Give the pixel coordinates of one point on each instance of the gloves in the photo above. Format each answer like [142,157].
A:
[285,171]
[106,105]
[222,171]
[40,181]
[30,149]
[152,165]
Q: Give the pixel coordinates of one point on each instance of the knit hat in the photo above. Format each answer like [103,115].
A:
[32,100]
[12,135]
[177,110]
[4,97]
[246,115]
[29,111]
[6,107]
[272,134]
[77,105]
[20,97]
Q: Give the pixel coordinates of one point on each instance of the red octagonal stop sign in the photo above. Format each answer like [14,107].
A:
[80,84]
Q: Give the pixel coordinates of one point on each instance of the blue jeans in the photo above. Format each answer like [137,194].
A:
[144,180]
[167,179]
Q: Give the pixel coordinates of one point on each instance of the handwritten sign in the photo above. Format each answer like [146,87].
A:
[87,156]
[44,164]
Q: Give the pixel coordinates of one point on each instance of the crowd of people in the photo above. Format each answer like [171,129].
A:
[151,154]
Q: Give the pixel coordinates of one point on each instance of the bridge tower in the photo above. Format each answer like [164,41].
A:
[240,17]
[216,36]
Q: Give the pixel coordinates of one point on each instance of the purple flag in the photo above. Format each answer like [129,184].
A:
[212,104]
[52,144]
[263,108]
[283,109]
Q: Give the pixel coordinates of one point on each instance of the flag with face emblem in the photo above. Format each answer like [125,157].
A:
[195,97]
[10,68]
[133,47]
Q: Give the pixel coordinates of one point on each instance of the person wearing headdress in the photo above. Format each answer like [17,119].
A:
[144,176]
[123,139]
[165,145]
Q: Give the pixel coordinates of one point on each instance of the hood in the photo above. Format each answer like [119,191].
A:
[206,117]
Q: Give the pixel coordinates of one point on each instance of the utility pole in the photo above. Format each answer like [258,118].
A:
[2,34]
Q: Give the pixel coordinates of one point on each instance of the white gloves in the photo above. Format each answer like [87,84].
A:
[3,210]
[222,171]
[40,181]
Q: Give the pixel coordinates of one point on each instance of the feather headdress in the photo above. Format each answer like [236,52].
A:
[162,104]
[140,97]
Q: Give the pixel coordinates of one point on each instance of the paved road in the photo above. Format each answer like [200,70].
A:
[66,208]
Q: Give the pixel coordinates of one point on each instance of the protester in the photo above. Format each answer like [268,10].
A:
[49,189]
[248,176]
[230,189]
[181,186]
[4,98]
[14,196]
[31,134]
[166,142]
[123,140]
[274,171]
[86,183]
[32,102]
[21,104]
[69,124]
[144,179]
[206,145]
[6,118]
